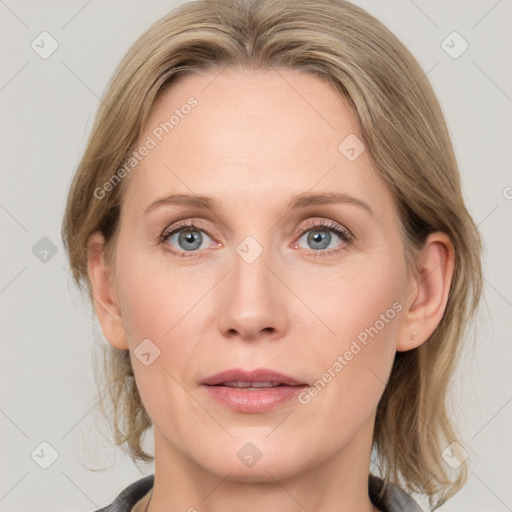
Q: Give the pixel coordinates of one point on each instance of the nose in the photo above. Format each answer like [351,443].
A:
[252,300]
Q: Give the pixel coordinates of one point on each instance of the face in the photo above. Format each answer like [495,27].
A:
[263,276]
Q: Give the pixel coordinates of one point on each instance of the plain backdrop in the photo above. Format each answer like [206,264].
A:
[47,392]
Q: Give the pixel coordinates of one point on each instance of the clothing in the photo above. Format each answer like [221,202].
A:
[397,500]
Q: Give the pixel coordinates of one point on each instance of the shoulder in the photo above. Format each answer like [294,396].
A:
[395,500]
[129,496]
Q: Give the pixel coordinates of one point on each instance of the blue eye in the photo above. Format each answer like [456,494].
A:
[188,238]
[320,235]
[320,239]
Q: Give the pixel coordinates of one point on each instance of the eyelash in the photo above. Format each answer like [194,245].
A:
[346,236]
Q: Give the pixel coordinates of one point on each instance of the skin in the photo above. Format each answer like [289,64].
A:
[255,140]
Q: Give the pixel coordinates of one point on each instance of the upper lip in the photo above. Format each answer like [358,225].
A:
[255,375]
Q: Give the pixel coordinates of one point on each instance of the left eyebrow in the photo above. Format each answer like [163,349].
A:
[299,201]
[308,199]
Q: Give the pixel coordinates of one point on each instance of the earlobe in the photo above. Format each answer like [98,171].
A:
[106,303]
[429,288]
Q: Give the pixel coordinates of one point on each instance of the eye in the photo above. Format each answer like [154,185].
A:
[185,238]
[320,236]
[189,240]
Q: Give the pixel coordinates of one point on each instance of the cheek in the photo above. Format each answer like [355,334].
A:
[361,312]
[162,313]
[360,300]
[155,313]
[153,300]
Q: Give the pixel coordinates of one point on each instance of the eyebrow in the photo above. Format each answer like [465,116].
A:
[300,201]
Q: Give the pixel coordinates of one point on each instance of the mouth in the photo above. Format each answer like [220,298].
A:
[253,386]
[252,391]
[251,379]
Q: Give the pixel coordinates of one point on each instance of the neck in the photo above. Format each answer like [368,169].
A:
[337,483]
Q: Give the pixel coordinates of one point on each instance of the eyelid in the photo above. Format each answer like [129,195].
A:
[328,225]
[192,225]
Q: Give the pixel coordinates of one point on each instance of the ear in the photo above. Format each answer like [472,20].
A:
[428,291]
[106,303]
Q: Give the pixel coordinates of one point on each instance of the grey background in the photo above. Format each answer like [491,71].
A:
[48,336]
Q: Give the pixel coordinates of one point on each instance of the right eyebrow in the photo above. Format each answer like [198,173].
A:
[204,202]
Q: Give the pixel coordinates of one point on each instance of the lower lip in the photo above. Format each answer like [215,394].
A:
[253,401]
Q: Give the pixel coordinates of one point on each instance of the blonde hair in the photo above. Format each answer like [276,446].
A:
[406,137]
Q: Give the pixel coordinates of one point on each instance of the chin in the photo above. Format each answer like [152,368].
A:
[257,461]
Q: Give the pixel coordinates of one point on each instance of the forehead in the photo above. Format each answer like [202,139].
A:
[251,131]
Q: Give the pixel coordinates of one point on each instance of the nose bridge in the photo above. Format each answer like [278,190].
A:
[251,298]
[251,276]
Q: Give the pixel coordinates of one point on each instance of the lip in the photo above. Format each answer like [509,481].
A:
[252,400]
[256,375]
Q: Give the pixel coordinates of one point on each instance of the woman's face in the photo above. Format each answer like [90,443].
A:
[296,266]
